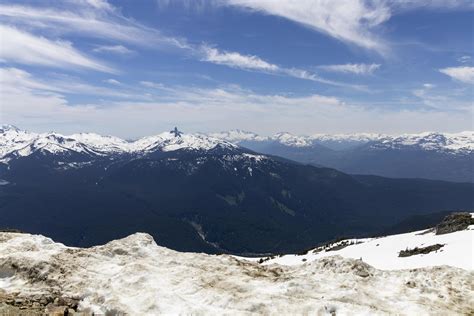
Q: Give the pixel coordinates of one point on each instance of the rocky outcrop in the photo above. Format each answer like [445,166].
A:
[454,222]
[36,305]
[420,250]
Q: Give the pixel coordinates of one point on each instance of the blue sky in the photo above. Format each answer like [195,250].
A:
[133,68]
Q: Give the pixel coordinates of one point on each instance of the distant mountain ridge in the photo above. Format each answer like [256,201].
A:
[430,155]
[448,142]
[15,142]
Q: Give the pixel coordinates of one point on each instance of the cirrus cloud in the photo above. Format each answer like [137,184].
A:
[463,74]
[25,48]
[358,69]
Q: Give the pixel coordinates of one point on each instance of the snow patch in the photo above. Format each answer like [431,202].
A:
[383,252]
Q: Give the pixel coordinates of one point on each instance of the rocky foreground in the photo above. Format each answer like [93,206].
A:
[135,276]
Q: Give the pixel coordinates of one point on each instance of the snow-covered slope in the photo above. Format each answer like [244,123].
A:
[18,143]
[383,253]
[136,277]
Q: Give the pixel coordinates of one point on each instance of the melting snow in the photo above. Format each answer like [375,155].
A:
[382,253]
[135,276]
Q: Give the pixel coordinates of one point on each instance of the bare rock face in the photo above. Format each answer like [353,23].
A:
[454,222]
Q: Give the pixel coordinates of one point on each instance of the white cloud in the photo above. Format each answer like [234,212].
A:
[255,63]
[464,74]
[95,19]
[443,100]
[25,48]
[66,85]
[234,59]
[350,21]
[31,104]
[103,21]
[358,69]
[113,82]
[115,49]
[430,4]
[464,59]
[154,85]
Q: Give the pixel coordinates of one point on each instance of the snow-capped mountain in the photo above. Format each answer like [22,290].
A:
[452,143]
[443,156]
[18,143]
[135,276]
[447,142]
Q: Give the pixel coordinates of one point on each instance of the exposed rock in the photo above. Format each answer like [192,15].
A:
[454,222]
[12,304]
[361,268]
[56,310]
[419,251]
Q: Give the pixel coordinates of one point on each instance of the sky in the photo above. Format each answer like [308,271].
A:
[135,68]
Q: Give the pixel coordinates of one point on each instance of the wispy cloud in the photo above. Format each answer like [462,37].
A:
[350,21]
[113,82]
[255,63]
[358,69]
[354,22]
[115,49]
[237,60]
[463,74]
[102,20]
[430,4]
[16,78]
[464,59]
[30,102]
[90,19]
[443,100]
[154,85]
[25,48]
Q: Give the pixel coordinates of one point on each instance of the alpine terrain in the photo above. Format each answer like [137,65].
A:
[420,273]
[193,192]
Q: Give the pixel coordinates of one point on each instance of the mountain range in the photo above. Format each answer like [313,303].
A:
[439,156]
[194,192]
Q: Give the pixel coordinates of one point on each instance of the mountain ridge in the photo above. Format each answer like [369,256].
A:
[430,155]
[461,141]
